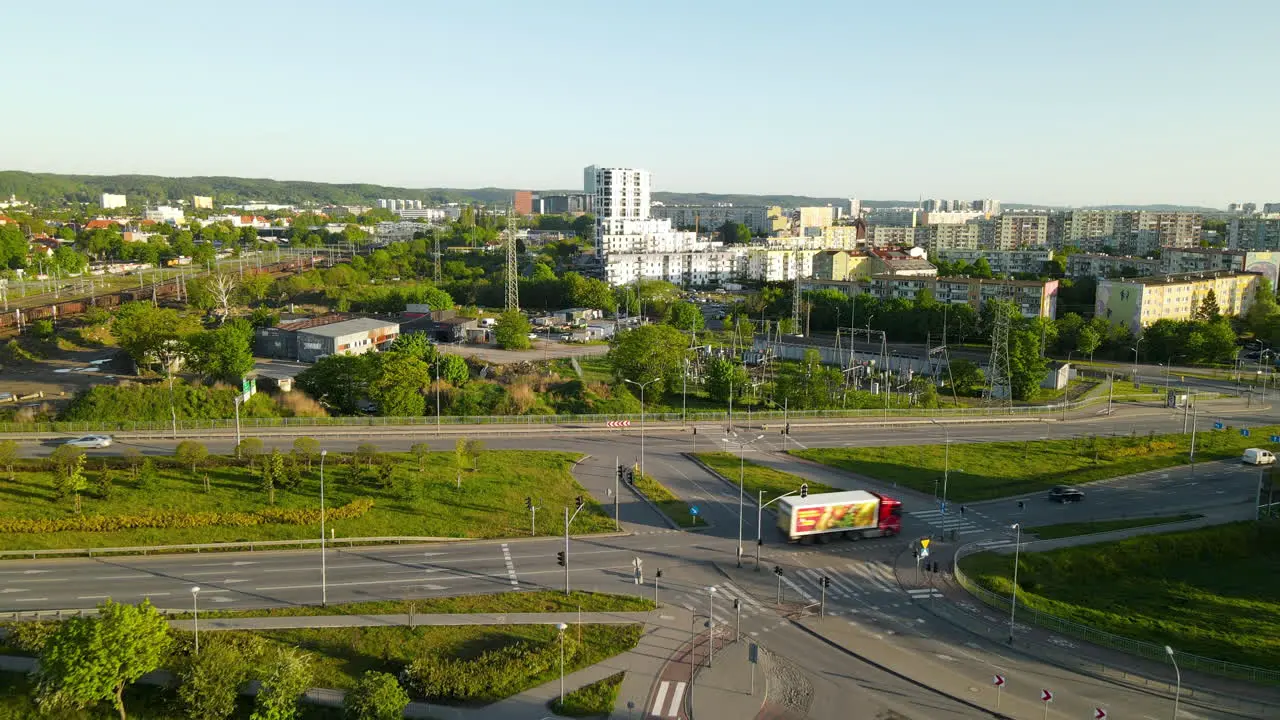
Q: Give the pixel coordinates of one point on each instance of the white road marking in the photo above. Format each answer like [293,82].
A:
[30,599]
[799,590]
[659,700]
[676,697]
[511,568]
[746,599]
[338,584]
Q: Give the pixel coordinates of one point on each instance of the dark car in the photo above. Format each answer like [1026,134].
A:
[1064,494]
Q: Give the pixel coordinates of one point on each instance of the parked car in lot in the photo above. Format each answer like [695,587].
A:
[90,441]
[1064,494]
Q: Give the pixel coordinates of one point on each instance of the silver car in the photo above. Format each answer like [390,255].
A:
[90,441]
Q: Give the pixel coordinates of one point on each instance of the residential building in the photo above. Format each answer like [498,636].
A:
[901,262]
[1254,233]
[683,268]
[202,202]
[13,202]
[6,220]
[766,264]
[1191,260]
[709,218]
[901,217]
[855,208]
[1267,208]
[431,214]
[1249,208]
[1088,230]
[1138,302]
[950,217]
[110,201]
[620,194]
[841,265]
[1034,298]
[570,204]
[816,217]
[937,238]
[895,236]
[523,202]
[165,213]
[1170,229]
[1104,266]
[1015,231]
[1003,262]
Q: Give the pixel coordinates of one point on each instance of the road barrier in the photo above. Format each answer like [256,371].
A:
[1141,648]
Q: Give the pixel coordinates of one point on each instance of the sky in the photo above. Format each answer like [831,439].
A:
[1080,102]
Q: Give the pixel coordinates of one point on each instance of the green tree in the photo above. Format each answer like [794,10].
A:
[416,344]
[224,354]
[104,483]
[307,448]
[966,376]
[421,451]
[732,233]
[397,389]
[8,456]
[89,660]
[249,449]
[452,369]
[254,286]
[1087,341]
[725,377]
[192,453]
[650,351]
[685,316]
[376,696]
[149,333]
[288,677]
[339,381]
[13,246]
[64,457]
[146,477]
[512,331]
[209,683]
[982,269]
[1209,310]
[366,453]
[1027,368]
[70,481]
[542,272]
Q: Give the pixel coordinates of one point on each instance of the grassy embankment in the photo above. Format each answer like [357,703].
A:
[1212,592]
[984,471]
[489,503]
[670,505]
[594,700]
[539,601]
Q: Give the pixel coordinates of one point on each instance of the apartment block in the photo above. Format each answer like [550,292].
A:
[820,217]
[1004,262]
[895,236]
[1254,233]
[708,218]
[1190,260]
[1104,266]
[110,201]
[1016,231]
[202,202]
[685,269]
[620,194]
[939,238]
[841,265]
[1171,229]
[522,202]
[1034,298]
[1139,302]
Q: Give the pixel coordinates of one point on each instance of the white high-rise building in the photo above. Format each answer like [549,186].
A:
[110,201]
[620,194]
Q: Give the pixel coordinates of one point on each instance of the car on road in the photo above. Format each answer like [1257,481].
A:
[1064,494]
[1258,456]
[90,441]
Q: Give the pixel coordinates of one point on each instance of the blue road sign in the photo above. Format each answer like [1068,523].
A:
[1217,426]
[1275,438]
[924,553]
[1244,432]
[944,507]
[694,511]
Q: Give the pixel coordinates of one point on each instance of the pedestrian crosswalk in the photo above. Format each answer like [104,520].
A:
[666,703]
[849,581]
[852,580]
[924,593]
[995,544]
[949,521]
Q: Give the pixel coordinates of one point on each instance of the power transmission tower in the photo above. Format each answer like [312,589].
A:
[1000,391]
[435,252]
[513,271]
[795,295]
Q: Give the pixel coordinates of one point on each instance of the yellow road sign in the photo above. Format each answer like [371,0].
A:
[924,542]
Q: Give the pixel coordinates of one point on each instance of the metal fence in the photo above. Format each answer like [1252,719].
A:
[1141,648]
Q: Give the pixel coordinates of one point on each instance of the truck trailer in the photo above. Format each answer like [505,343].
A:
[852,514]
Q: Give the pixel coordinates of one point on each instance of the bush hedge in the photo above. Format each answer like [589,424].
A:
[493,675]
[169,520]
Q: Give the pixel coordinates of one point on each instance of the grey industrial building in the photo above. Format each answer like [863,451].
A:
[311,339]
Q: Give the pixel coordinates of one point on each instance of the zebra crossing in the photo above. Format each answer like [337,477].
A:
[851,580]
[726,592]
[953,520]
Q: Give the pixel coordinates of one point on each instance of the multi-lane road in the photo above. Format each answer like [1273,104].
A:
[906,655]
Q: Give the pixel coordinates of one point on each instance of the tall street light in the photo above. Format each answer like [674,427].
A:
[1013,606]
[711,625]
[742,471]
[642,387]
[324,574]
[946,463]
[195,614]
[1178,690]
[561,627]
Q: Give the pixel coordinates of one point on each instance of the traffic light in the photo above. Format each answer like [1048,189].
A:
[528,503]
[579,501]
[804,490]
[915,554]
[622,473]
[659,573]
[826,581]
[1021,504]
[777,570]
[736,604]
[560,558]
[935,566]
[630,475]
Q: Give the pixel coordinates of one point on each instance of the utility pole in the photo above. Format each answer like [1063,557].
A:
[513,268]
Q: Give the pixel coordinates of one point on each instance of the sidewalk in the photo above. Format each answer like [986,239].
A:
[725,688]
[417,620]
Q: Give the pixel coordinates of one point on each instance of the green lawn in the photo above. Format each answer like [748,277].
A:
[757,477]
[1049,532]
[341,655]
[596,699]
[671,506]
[538,601]
[490,502]
[1212,592]
[983,471]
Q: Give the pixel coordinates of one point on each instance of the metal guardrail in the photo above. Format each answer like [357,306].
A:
[428,421]
[1141,648]
[251,545]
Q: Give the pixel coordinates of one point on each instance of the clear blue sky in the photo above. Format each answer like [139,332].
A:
[1075,102]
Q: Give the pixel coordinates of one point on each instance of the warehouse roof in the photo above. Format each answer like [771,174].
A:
[350,327]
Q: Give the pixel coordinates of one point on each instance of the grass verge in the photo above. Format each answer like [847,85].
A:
[540,601]
[408,500]
[670,505]
[756,477]
[1213,591]
[1061,530]
[984,471]
[596,699]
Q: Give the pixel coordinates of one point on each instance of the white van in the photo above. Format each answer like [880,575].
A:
[1258,456]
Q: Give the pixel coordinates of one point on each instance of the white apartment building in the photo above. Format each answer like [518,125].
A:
[110,201]
[701,268]
[937,238]
[1021,231]
[1003,262]
[648,236]
[950,217]
[619,194]
[165,213]
[1104,266]
[1254,233]
[431,214]
[709,218]
[775,265]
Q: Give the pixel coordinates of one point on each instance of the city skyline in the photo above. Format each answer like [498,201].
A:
[497,94]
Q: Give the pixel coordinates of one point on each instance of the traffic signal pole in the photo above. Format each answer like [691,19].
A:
[569,519]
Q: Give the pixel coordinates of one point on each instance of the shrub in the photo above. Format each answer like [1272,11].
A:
[209,683]
[494,674]
[376,696]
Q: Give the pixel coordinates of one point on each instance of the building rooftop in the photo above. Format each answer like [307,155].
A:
[1204,251]
[1177,278]
[311,322]
[348,327]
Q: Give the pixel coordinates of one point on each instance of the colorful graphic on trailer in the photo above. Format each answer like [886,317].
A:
[842,516]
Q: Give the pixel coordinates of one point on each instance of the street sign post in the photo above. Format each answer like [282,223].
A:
[1099,714]
[753,655]
[693,512]
[1244,432]
[1275,438]
[998,681]
[1218,426]
[1046,697]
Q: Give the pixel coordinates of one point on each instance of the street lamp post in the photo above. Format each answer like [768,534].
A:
[1013,605]
[760,506]
[195,614]
[742,469]
[1178,689]
[324,571]
[711,625]
[562,627]
[642,387]
[1135,364]
[946,463]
